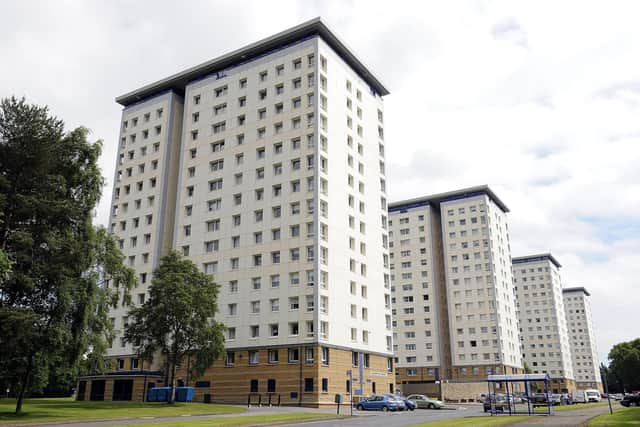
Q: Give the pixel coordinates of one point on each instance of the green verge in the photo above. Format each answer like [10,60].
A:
[482,421]
[562,408]
[66,409]
[237,421]
[621,417]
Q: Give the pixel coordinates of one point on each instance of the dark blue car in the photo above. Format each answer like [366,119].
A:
[381,402]
[408,403]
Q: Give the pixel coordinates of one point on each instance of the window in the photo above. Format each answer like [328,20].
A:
[217,146]
[294,355]
[219,127]
[213,225]
[294,329]
[221,91]
[308,384]
[253,357]
[220,109]
[325,356]
[254,331]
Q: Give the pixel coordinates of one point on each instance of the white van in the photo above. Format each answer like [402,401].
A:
[592,395]
[584,396]
[579,396]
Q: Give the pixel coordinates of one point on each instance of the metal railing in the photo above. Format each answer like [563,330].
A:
[271,399]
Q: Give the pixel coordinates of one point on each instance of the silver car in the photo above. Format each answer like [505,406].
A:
[425,402]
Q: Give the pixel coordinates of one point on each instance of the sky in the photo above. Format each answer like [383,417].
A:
[538,99]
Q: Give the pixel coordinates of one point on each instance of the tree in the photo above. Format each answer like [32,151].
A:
[625,364]
[50,300]
[178,318]
[5,266]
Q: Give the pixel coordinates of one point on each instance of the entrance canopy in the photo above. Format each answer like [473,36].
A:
[517,378]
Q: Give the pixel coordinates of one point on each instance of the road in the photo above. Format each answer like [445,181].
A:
[397,419]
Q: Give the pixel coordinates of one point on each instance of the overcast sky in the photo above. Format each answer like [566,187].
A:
[540,100]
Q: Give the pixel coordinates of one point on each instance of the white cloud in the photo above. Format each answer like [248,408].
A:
[538,99]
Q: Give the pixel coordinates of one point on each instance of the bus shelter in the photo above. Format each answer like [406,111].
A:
[512,394]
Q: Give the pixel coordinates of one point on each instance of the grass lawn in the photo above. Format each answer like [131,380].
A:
[237,421]
[621,417]
[500,420]
[66,409]
[582,406]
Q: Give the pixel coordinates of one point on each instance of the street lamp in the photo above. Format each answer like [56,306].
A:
[603,373]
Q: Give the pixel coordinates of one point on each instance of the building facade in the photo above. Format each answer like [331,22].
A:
[453,290]
[586,366]
[543,325]
[265,167]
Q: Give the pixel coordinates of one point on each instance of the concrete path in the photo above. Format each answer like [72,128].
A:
[573,418]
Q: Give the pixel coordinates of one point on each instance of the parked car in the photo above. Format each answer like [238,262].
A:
[425,402]
[556,399]
[630,400]
[515,398]
[543,399]
[408,403]
[496,401]
[380,402]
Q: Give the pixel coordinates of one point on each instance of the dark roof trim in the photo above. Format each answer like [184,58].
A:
[448,196]
[576,289]
[535,258]
[314,27]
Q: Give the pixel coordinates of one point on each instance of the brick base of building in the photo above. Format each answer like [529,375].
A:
[303,382]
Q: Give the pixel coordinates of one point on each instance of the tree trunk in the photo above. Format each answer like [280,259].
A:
[172,392]
[23,387]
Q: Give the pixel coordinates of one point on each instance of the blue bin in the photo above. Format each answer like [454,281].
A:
[163,394]
[184,394]
[152,395]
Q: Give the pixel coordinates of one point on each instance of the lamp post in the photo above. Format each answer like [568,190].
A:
[603,372]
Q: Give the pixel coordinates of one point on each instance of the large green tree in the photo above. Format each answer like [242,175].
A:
[52,302]
[625,364]
[178,318]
